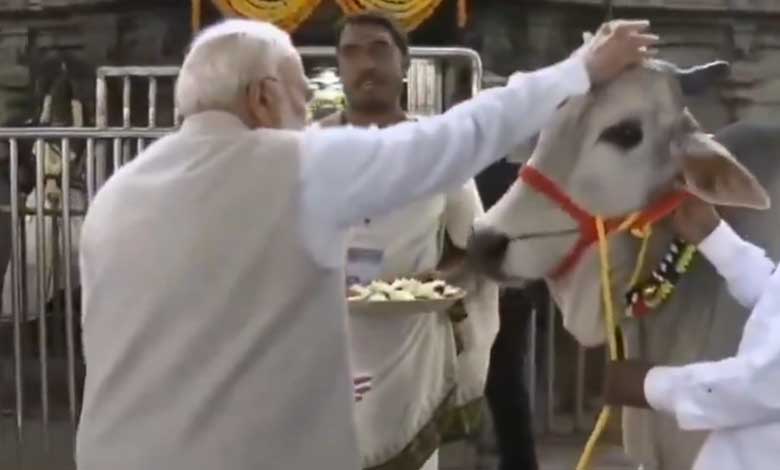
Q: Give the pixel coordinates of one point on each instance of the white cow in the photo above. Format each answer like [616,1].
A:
[622,148]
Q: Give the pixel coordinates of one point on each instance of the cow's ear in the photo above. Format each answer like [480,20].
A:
[712,173]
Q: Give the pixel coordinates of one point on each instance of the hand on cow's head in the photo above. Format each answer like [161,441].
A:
[616,45]
[710,171]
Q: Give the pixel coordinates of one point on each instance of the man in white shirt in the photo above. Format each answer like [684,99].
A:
[212,266]
[738,398]
[421,380]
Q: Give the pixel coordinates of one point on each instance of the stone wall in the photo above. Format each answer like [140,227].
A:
[526,35]
[90,33]
[36,35]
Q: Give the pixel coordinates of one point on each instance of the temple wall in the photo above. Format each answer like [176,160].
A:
[509,35]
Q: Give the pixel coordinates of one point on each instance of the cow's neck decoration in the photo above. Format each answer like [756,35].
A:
[641,297]
[594,229]
[645,297]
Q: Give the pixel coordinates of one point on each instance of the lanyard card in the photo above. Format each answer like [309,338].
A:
[363,265]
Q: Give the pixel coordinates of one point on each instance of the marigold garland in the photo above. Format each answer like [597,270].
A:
[289,14]
[410,13]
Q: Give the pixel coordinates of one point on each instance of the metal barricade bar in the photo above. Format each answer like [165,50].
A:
[424,82]
[16,261]
[40,257]
[469,55]
[85,132]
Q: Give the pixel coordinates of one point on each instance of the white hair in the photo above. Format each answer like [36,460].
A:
[225,58]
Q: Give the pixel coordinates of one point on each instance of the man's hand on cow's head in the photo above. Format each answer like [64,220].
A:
[625,383]
[617,45]
[695,220]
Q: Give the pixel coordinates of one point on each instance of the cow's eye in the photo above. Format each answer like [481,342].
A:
[625,135]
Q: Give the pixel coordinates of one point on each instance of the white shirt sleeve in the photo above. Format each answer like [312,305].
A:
[349,174]
[744,266]
[740,391]
[462,207]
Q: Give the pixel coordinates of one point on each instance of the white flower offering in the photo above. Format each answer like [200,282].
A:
[404,289]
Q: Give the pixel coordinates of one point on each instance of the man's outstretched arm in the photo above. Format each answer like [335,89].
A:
[350,174]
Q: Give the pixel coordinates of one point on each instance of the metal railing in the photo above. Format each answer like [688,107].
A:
[53,203]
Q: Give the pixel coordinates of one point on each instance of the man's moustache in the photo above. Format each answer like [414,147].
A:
[376,80]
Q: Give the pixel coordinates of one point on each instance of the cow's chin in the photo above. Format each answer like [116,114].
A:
[578,296]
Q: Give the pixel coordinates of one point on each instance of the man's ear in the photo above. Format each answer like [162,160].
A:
[712,173]
[264,98]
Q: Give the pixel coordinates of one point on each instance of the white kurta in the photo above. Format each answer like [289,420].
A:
[738,398]
[212,267]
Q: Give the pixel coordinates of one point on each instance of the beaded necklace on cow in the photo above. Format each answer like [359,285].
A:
[641,297]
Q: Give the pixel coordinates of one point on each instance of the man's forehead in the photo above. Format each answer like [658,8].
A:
[357,34]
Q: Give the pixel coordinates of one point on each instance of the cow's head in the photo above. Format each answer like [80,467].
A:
[613,151]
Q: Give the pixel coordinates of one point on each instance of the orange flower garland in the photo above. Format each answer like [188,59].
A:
[289,14]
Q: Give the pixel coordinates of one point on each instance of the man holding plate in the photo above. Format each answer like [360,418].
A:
[421,379]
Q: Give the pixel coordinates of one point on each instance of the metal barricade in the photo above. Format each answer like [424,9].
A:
[425,80]
[40,285]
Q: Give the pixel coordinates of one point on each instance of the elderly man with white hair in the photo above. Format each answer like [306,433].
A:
[212,268]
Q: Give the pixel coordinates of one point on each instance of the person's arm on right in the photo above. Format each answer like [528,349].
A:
[738,391]
[349,174]
[745,267]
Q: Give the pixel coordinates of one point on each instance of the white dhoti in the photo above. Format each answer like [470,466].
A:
[415,368]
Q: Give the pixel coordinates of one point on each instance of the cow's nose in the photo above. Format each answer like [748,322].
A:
[486,250]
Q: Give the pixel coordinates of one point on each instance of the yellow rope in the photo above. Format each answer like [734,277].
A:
[639,266]
[287,14]
[610,325]
[610,320]
[628,222]
[606,288]
[410,13]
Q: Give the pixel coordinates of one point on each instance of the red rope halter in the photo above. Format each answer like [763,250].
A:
[587,222]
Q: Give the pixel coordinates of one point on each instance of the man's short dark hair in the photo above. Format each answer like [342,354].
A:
[383,20]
